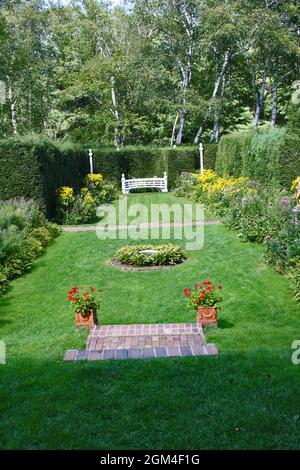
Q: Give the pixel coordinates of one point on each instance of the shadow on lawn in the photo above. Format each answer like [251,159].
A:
[5,307]
[224,324]
[234,401]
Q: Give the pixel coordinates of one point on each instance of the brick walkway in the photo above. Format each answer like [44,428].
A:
[143,342]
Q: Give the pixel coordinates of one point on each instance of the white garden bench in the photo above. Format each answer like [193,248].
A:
[144,183]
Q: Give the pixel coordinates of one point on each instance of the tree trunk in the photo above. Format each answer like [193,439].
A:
[215,92]
[12,103]
[185,85]
[216,130]
[29,107]
[174,130]
[117,140]
[274,105]
[260,99]
[186,73]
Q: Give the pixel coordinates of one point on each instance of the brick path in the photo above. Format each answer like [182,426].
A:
[92,228]
[143,342]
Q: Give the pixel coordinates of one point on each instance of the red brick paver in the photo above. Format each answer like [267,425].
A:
[144,341]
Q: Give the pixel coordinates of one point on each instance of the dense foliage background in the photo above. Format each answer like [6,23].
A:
[146,71]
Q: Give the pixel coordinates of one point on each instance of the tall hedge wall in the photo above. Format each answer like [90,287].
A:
[138,162]
[35,168]
[270,157]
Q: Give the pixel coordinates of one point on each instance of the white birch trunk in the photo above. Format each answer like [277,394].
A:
[215,92]
[185,85]
[115,112]
[216,130]
[174,130]
[12,103]
[274,105]
[260,99]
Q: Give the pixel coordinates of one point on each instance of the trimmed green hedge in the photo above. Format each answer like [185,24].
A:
[289,160]
[232,152]
[35,168]
[269,157]
[139,162]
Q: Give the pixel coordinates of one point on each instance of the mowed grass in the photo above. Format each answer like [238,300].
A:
[172,209]
[247,398]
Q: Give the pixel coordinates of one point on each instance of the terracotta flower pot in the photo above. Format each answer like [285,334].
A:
[83,320]
[207,316]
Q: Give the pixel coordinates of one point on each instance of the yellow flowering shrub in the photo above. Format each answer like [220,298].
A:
[213,185]
[81,207]
[207,176]
[225,183]
[66,195]
[295,183]
[95,179]
[88,197]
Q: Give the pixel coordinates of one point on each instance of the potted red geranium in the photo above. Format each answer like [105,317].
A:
[205,298]
[84,303]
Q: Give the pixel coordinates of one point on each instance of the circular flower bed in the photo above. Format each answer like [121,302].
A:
[150,255]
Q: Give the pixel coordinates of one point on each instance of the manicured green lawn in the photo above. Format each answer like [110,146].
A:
[147,199]
[248,397]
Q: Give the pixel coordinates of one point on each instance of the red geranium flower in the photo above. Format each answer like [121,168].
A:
[92,288]
[220,287]
[73,290]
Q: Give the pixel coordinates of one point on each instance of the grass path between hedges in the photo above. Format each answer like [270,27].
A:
[246,398]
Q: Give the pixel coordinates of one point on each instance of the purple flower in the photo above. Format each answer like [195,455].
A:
[285,202]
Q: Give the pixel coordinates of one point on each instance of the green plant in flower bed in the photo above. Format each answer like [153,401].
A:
[169,254]
[81,208]
[102,190]
[186,185]
[259,214]
[24,234]
[283,248]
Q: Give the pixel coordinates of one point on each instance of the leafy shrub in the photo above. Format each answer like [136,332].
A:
[168,254]
[76,209]
[81,208]
[186,185]
[24,234]
[102,191]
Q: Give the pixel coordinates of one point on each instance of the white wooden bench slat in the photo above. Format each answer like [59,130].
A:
[137,183]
